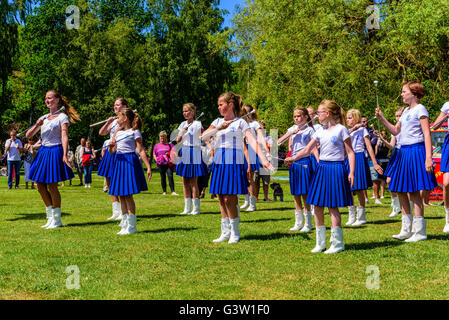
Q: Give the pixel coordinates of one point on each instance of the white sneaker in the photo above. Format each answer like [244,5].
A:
[377,201]
[299,221]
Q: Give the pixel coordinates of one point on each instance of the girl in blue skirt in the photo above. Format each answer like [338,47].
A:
[190,165]
[105,168]
[362,177]
[228,178]
[51,164]
[444,165]
[331,184]
[252,160]
[414,165]
[395,144]
[128,177]
[301,171]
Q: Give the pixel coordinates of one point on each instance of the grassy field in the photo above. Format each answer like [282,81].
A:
[173,257]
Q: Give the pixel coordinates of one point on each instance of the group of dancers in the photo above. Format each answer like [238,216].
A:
[327,164]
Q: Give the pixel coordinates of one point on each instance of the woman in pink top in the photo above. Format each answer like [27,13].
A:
[161,152]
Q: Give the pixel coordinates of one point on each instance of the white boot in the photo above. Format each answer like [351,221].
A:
[225,231]
[235,234]
[396,207]
[119,211]
[56,221]
[307,222]
[123,224]
[196,207]
[187,205]
[252,204]
[131,225]
[114,211]
[320,239]
[406,229]
[337,242]
[351,216]
[446,227]
[312,209]
[361,217]
[246,203]
[299,218]
[420,230]
[49,214]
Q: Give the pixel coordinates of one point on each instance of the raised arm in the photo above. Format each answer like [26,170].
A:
[393,129]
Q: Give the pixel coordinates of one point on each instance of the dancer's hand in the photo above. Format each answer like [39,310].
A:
[351,180]
[149,174]
[268,166]
[224,125]
[288,160]
[429,165]
[66,161]
[379,114]
[39,122]
[378,169]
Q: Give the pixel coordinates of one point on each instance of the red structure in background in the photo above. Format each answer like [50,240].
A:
[437,143]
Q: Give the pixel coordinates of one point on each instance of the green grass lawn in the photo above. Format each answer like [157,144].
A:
[173,257]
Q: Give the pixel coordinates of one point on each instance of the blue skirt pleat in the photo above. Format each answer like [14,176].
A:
[330,186]
[410,172]
[392,163]
[106,166]
[300,173]
[128,177]
[444,165]
[228,173]
[362,175]
[313,162]
[48,167]
[190,163]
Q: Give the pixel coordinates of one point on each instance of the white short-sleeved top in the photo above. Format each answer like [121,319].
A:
[317,126]
[114,127]
[192,137]
[254,126]
[106,144]
[13,152]
[358,139]
[217,122]
[232,136]
[398,141]
[445,108]
[51,130]
[411,131]
[269,140]
[300,139]
[332,146]
[126,140]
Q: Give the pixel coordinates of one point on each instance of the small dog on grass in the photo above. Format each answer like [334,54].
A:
[277,191]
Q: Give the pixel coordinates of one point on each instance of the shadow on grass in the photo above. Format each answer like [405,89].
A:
[85,224]
[168,230]
[384,221]
[273,209]
[444,237]
[275,236]
[373,245]
[171,215]
[34,216]
[262,220]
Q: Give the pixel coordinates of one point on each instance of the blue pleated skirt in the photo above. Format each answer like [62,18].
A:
[313,162]
[105,169]
[128,177]
[228,173]
[410,170]
[300,173]
[253,159]
[48,167]
[392,163]
[190,163]
[330,186]
[444,165]
[362,175]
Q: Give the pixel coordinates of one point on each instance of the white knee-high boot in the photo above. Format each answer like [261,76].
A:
[406,228]
[49,215]
[115,213]
[361,217]
[337,241]
[252,204]
[56,221]
[225,231]
[123,224]
[307,222]
[196,207]
[246,203]
[351,216]
[446,226]
[320,239]
[131,225]
[419,231]
[299,218]
[396,207]
[187,205]
[235,233]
